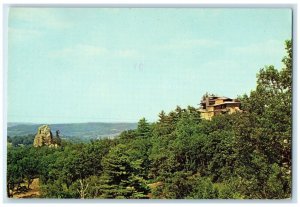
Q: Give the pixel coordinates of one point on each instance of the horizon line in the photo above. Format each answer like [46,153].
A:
[88,122]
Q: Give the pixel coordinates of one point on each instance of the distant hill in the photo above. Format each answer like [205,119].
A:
[10,124]
[81,130]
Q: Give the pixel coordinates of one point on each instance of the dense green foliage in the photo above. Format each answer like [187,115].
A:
[243,155]
[21,140]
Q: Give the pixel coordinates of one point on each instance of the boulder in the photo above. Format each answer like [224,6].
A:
[44,137]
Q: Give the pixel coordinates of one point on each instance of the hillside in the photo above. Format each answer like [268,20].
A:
[81,130]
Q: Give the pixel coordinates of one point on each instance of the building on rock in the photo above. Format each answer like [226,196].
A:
[214,105]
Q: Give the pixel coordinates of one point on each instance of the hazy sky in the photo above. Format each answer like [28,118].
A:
[112,65]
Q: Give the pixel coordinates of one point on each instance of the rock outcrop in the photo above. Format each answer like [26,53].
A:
[44,137]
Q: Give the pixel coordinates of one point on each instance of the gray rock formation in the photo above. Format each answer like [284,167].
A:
[44,137]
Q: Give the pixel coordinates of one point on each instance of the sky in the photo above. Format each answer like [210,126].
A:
[69,65]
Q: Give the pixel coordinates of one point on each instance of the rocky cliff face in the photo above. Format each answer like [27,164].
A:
[44,137]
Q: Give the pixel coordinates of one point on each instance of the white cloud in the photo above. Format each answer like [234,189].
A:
[127,53]
[90,51]
[18,35]
[40,17]
[266,48]
[188,44]
[87,50]
[79,50]
[33,23]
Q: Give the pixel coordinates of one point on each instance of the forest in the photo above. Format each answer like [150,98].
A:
[245,155]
